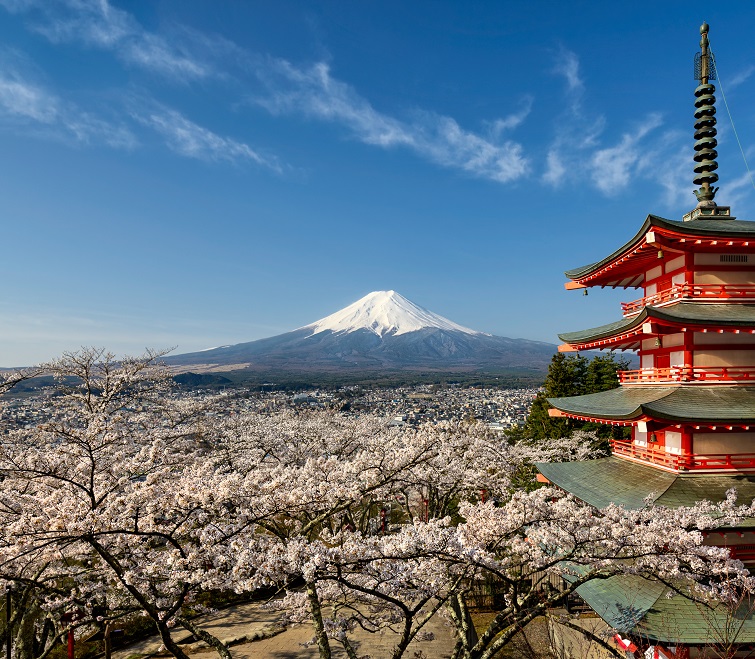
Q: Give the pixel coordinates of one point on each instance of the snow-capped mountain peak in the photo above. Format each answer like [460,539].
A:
[384,313]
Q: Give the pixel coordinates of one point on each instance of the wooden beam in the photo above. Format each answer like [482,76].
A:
[573,286]
[553,412]
[567,347]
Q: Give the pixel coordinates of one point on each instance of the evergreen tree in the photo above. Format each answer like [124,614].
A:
[572,375]
[567,376]
[600,374]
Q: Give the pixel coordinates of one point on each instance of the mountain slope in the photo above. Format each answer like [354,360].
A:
[381,331]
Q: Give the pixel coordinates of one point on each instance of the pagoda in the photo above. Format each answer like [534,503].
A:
[691,403]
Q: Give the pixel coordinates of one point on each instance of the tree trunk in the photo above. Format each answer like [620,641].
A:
[314,605]
[170,645]
[25,632]
[108,644]
[465,629]
[212,641]
[350,652]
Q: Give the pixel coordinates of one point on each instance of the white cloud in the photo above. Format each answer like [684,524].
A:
[310,91]
[567,66]
[26,103]
[576,151]
[90,129]
[20,98]
[555,171]
[734,192]
[613,168]
[515,119]
[189,139]
[576,131]
[98,24]
[739,77]
[313,92]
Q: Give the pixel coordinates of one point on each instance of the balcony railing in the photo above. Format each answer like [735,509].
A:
[744,553]
[728,292]
[689,374]
[684,461]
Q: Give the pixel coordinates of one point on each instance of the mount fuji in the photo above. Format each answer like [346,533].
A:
[382,331]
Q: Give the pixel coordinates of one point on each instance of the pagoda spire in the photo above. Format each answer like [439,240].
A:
[705,124]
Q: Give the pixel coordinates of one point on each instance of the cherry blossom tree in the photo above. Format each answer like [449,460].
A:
[397,576]
[108,505]
[127,498]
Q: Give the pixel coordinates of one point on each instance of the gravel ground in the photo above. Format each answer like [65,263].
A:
[253,632]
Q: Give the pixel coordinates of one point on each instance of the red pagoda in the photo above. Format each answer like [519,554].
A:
[690,404]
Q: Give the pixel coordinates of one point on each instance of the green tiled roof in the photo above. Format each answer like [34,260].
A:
[632,604]
[696,403]
[698,227]
[629,484]
[692,313]
[608,480]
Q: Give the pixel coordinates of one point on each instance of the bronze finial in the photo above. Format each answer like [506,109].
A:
[705,124]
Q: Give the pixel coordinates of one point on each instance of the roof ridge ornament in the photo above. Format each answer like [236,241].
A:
[705,134]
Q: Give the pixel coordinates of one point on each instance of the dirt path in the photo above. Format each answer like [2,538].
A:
[253,631]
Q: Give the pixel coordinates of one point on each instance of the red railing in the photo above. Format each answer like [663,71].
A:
[729,292]
[684,461]
[690,374]
[745,553]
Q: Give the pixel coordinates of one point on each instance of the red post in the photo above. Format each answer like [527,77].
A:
[70,644]
[382,525]
[484,495]
[427,509]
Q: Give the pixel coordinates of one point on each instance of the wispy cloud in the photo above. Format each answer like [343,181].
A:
[19,98]
[670,166]
[194,141]
[579,150]
[567,66]
[555,169]
[735,191]
[500,126]
[739,78]
[575,132]
[98,24]
[314,92]
[27,103]
[309,91]
[614,167]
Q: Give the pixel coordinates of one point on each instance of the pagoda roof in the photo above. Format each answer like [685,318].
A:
[717,404]
[683,314]
[632,485]
[630,603]
[641,607]
[640,251]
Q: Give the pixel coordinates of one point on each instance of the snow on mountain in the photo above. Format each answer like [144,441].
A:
[381,333]
[384,313]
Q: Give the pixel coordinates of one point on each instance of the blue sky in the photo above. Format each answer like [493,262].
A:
[192,174]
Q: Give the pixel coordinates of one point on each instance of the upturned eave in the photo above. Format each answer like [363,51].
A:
[712,405]
[652,321]
[625,267]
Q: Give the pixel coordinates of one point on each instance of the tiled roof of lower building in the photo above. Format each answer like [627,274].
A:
[641,607]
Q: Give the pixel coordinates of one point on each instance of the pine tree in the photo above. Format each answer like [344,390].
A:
[572,375]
